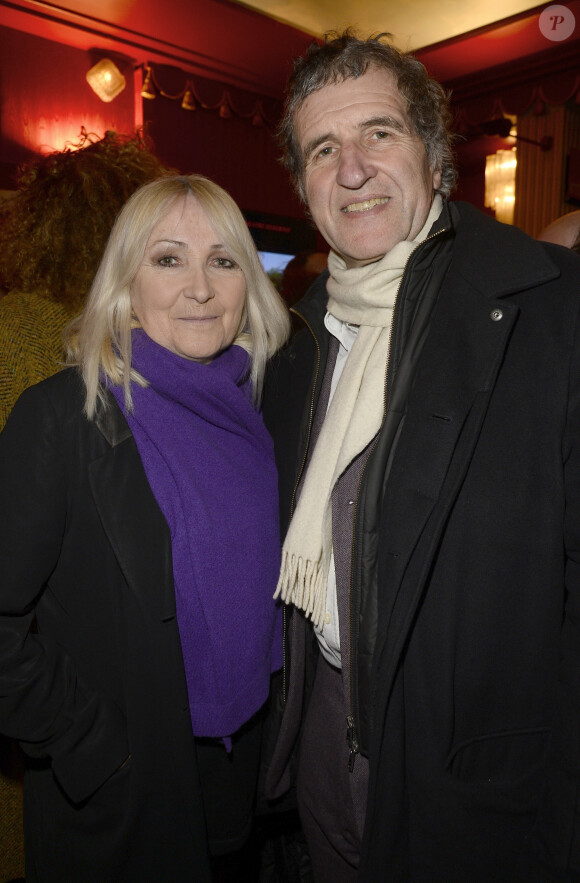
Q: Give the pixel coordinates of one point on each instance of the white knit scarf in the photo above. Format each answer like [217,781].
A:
[363,296]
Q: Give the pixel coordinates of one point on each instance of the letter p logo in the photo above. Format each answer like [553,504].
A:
[557,23]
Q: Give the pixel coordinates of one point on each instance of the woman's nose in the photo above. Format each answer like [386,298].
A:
[198,286]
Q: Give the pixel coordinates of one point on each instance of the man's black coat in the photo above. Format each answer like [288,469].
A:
[474,698]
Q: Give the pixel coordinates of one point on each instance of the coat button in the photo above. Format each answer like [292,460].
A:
[496,315]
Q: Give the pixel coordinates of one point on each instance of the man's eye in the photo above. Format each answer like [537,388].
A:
[321,154]
[381,134]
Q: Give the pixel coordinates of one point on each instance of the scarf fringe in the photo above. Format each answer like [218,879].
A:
[302,582]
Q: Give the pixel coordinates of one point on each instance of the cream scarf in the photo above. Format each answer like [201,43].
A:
[363,296]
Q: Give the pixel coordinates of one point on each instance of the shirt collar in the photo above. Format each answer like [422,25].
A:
[345,332]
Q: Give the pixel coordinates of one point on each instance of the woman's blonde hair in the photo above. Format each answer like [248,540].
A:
[99,340]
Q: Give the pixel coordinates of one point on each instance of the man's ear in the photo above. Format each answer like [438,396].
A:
[436,179]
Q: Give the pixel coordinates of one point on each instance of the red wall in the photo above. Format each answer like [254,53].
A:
[45,99]
[240,156]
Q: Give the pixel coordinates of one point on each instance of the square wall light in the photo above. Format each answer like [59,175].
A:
[106,80]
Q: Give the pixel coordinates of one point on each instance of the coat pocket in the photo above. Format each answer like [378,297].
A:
[504,758]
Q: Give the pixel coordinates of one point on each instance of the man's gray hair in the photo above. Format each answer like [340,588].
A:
[345,56]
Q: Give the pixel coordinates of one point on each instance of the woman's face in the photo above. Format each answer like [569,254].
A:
[188,294]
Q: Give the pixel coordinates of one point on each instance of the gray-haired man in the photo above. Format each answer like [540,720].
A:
[426,422]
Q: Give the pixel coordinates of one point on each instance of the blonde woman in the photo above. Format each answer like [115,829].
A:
[139,529]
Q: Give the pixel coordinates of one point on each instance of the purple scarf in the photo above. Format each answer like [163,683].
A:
[210,464]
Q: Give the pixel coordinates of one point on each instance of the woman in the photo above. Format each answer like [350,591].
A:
[138,528]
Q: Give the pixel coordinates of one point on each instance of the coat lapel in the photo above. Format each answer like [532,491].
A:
[469,334]
[446,411]
[131,517]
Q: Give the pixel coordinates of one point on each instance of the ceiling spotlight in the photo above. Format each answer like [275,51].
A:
[106,80]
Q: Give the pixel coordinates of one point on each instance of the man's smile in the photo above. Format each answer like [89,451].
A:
[364,206]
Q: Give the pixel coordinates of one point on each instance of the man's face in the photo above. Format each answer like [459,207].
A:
[367,180]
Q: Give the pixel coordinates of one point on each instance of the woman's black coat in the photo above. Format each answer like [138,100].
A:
[85,551]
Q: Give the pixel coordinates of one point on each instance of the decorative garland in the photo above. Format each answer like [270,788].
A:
[515,100]
[191,99]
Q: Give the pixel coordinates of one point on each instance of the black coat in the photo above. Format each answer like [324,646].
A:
[85,549]
[474,696]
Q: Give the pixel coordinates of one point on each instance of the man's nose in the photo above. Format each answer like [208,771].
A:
[355,167]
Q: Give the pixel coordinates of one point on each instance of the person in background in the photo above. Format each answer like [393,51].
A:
[298,276]
[565,230]
[427,429]
[53,232]
[300,273]
[139,530]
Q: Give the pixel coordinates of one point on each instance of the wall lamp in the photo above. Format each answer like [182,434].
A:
[105,79]
[502,127]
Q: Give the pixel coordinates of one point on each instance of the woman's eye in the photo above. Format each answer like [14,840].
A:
[227,263]
[167,261]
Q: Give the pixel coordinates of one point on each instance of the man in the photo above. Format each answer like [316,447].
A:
[426,423]
[565,231]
